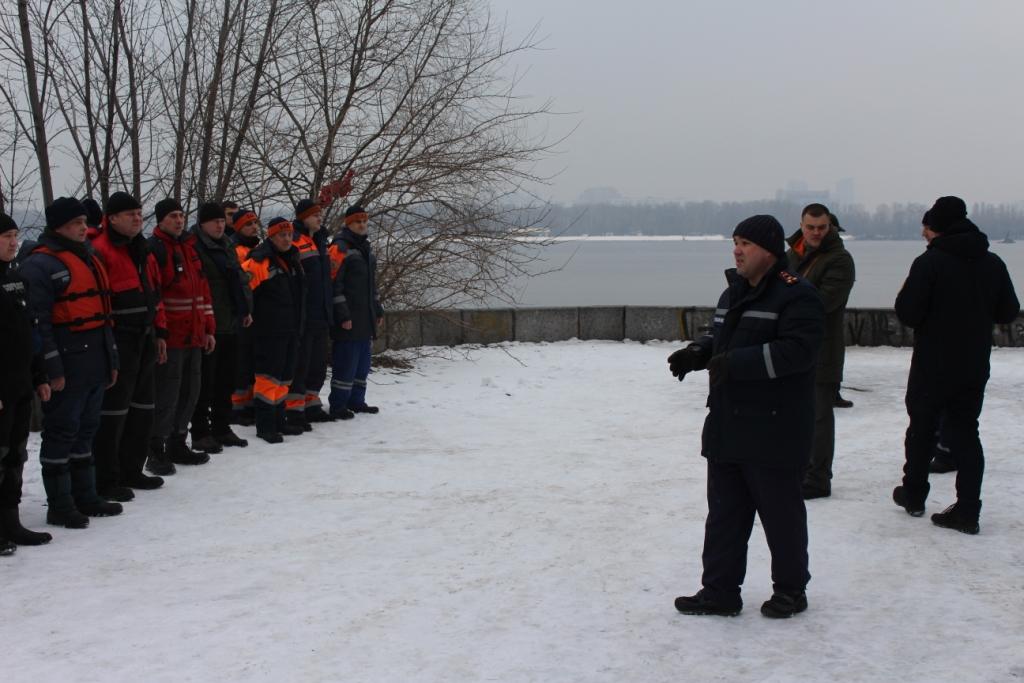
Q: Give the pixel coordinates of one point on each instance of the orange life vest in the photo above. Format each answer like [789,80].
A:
[85,304]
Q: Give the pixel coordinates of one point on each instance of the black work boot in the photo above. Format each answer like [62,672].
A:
[318,414]
[61,510]
[229,439]
[702,604]
[143,482]
[157,462]
[121,494]
[784,604]
[840,402]
[962,517]
[243,417]
[914,505]
[13,531]
[296,418]
[180,454]
[83,489]
[6,547]
[206,444]
[343,414]
[369,410]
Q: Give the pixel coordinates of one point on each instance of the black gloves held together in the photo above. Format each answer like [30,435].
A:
[684,361]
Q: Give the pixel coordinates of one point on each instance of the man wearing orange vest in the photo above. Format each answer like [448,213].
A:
[190,330]
[140,330]
[69,295]
[245,239]
[302,404]
[277,282]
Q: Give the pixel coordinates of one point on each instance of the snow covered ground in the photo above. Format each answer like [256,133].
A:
[527,514]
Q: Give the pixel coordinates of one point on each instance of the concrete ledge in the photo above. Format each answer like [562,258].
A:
[441,328]
[403,330]
[491,326]
[645,323]
[546,324]
[602,322]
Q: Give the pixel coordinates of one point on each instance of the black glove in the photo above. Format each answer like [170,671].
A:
[684,361]
[718,368]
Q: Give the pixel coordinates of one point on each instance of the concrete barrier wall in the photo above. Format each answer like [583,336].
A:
[404,329]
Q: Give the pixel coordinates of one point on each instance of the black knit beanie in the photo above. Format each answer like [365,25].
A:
[306,208]
[93,212]
[121,201]
[765,232]
[7,223]
[945,213]
[166,206]
[211,211]
[63,211]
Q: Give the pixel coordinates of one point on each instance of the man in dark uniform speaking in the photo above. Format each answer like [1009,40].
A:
[757,436]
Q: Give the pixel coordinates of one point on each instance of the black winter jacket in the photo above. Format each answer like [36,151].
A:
[763,412]
[227,281]
[354,278]
[279,291]
[955,292]
[20,346]
[317,266]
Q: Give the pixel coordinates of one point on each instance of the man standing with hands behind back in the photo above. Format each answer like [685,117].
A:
[817,254]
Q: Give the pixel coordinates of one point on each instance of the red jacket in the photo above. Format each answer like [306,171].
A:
[186,293]
[134,282]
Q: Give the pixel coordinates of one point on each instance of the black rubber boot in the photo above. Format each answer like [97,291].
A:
[266,424]
[961,517]
[701,604]
[83,489]
[61,510]
[143,482]
[13,531]
[284,426]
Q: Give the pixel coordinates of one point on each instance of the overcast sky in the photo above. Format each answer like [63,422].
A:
[729,100]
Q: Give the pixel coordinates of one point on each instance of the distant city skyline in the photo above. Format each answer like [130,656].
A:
[730,101]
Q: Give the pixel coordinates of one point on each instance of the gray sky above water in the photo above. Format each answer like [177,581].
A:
[730,100]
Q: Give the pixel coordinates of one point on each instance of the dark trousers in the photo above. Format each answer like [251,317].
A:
[178,383]
[71,419]
[959,410]
[274,362]
[310,371]
[735,493]
[245,376]
[350,366]
[213,409]
[126,422]
[15,417]
[320,351]
[819,469]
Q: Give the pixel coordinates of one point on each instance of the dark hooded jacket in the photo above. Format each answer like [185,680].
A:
[955,293]
[354,279]
[226,279]
[830,269]
[763,412]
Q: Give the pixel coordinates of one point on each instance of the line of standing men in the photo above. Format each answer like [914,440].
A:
[130,341]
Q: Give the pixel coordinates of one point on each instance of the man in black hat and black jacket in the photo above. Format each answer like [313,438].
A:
[212,416]
[955,293]
[69,292]
[357,315]
[760,359]
[24,375]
